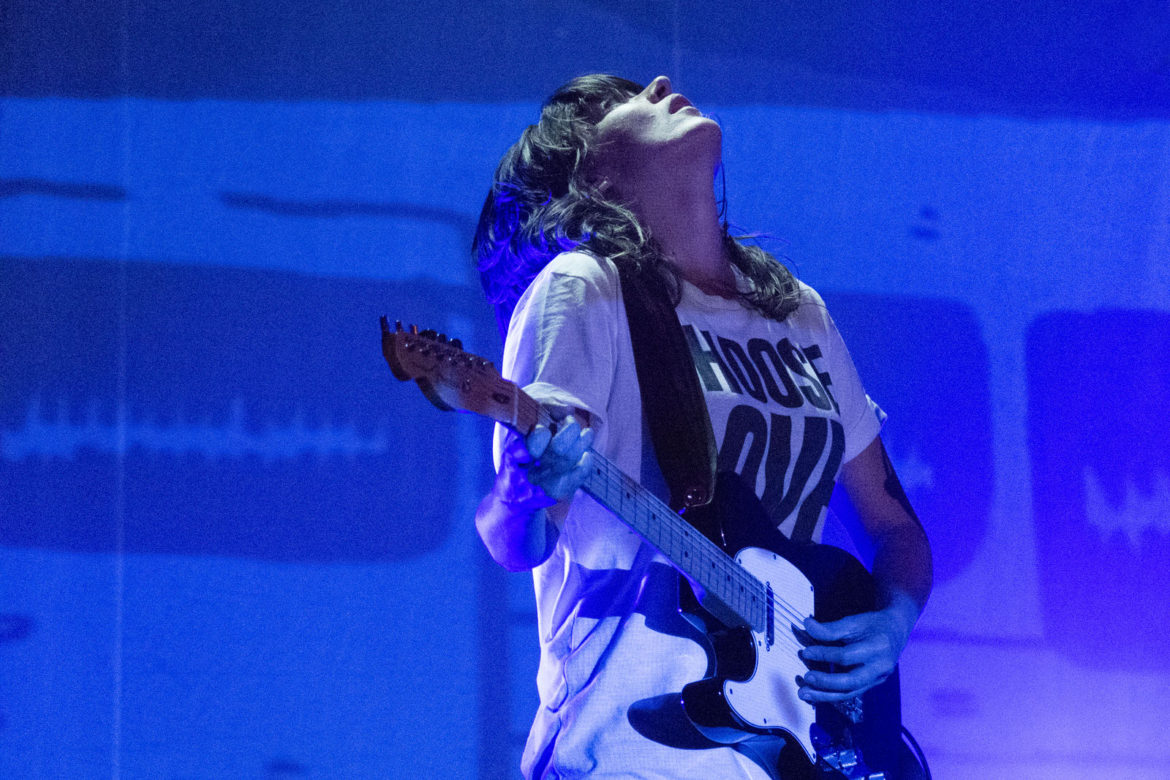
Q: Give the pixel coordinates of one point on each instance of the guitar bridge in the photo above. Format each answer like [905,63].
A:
[840,760]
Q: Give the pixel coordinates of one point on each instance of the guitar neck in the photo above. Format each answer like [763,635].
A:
[728,590]
[454,379]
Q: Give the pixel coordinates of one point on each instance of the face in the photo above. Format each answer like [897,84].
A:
[656,131]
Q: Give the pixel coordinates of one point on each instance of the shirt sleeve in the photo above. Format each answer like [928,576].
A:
[561,345]
[861,416]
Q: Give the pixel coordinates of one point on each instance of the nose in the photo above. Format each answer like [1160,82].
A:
[658,89]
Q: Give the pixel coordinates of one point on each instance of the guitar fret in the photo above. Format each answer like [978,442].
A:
[695,555]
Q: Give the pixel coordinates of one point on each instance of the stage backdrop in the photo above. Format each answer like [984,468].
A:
[232,545]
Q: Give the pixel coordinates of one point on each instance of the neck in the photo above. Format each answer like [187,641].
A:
[685,223]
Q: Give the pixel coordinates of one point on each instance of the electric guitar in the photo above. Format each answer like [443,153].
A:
[750,589]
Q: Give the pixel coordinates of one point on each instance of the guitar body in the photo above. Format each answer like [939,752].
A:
[751,698]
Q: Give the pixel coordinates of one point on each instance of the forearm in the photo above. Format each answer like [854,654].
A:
[902,563]
[888,529]
[867,645]
[903,572]
[514,526]
[535,474]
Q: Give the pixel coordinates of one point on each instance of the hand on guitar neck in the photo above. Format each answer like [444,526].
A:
[536,472]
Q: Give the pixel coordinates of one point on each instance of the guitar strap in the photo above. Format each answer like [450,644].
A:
[672,399]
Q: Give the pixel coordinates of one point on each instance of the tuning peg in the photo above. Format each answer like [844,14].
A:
[398,325]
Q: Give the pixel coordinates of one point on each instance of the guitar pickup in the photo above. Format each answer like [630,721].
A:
[770,618]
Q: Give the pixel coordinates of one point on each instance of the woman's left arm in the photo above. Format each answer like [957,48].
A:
[867,645]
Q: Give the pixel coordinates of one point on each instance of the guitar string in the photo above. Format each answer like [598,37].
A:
[656,509]
[782,610]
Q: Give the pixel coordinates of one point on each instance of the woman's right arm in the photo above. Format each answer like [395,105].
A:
[536,472]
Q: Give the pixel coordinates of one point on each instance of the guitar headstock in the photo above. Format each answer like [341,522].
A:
[451,378]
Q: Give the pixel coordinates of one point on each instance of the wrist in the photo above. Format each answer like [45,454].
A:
[903,611]
[515,529]
[520,495]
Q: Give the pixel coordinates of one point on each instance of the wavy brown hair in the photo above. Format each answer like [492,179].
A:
[542,202]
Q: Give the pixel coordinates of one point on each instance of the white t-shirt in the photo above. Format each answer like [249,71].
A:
[787,409]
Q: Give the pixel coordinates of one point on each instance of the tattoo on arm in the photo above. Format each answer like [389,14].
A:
[894,486]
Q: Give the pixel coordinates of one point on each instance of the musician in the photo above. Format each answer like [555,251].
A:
[615,173]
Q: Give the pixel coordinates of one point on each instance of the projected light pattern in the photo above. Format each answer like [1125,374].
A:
[59,437]
[286,197]
[1099,396]
[913,356]
[1140,515]
[254,400]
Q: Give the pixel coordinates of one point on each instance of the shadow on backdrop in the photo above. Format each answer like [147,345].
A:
[260,419]
[925,363]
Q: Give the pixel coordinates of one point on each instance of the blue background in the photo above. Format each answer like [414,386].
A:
[232,545]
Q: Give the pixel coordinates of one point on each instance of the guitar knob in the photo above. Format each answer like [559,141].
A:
[457,343]
[429,334]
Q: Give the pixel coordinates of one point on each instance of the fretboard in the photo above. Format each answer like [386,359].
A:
[696,556]
[727,587]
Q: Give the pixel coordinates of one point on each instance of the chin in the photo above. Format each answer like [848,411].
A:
[706,140]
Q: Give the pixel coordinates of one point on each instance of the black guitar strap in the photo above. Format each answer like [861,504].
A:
[672,399]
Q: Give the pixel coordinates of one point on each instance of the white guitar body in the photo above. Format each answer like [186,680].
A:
[768,699]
